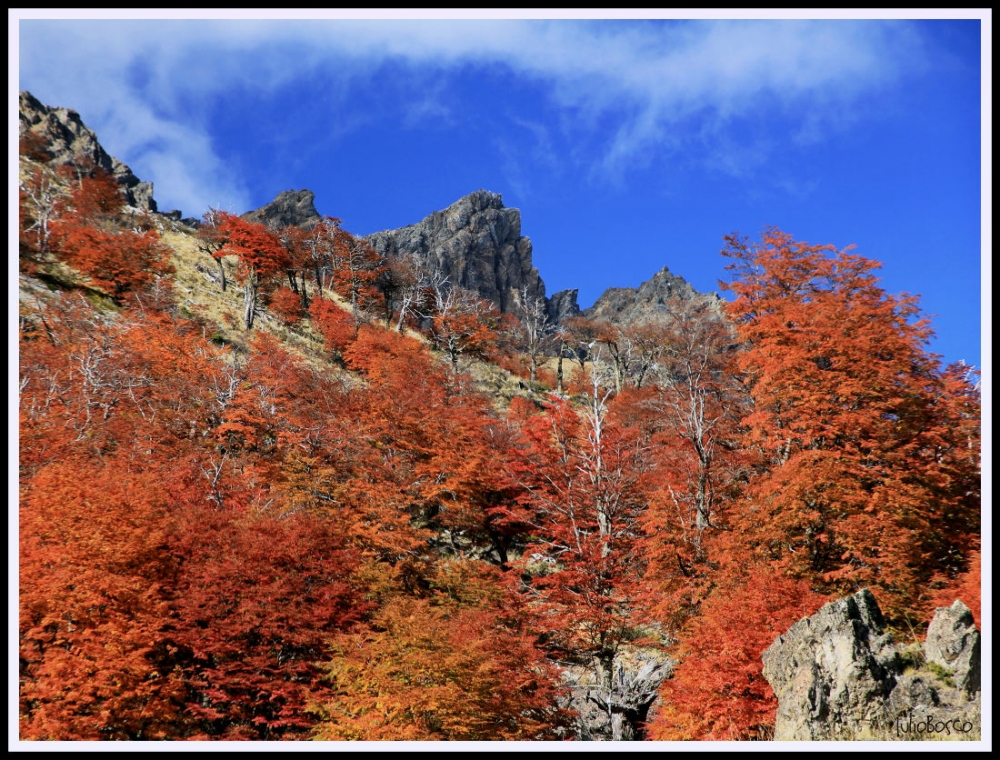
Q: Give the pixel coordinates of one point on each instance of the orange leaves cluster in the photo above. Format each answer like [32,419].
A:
[115,262]
[441,668]
[852,420]
[718,691]
[95,582]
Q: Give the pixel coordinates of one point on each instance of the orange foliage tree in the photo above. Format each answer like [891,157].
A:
[718,690]
[863,477]
[581,478]
[259,251]
[456,665]
[95,583]
[116,262]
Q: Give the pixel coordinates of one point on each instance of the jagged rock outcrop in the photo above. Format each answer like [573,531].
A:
[562,305]
[954,643]
[645,303]
[69,141]
[476,243]
[838,675]
[291,208]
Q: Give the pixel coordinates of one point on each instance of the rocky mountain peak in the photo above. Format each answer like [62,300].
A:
[70,142]
[476,243]
[290,208]
[621,305]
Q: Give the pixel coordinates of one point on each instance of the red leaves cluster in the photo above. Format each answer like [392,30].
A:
[718,691]
[115,262]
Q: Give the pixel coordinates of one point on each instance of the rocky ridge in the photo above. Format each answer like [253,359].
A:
[839,675]
[476,243]
[651,299]
[70,142]
[291,208]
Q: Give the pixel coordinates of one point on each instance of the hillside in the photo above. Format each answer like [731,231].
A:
[279,482]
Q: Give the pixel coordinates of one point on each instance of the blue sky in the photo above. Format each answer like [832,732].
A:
[627,145]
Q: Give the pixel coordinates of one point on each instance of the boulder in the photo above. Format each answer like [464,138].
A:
[829,671]
[837,675]
[954,644]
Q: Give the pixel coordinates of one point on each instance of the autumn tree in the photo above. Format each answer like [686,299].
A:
[697,393]
[461,324]
[95,198]
[259,252]
[455,664]
[718,690]
[356,268]
[859,455]
[94,588]
[319,244]
[255,604]
[33,147]
[41,196]
[211,239]
[115,262]
[536,327]
[399,281]
[582,479]
[579,339]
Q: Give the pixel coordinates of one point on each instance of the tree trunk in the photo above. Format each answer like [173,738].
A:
[249,302]
[559,369]
[222,272]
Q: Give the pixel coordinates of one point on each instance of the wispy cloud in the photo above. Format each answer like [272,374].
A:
[145,86]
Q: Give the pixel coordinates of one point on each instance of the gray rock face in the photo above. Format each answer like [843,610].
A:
[291,208]
[954,643]
[826,671]
[837,675]
[476,243]
[69,141]
[653,297]
[562,305]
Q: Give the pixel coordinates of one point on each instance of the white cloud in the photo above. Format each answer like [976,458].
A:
[142,84]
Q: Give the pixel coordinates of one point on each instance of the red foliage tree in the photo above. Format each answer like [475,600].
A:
[334,324]
[116,262]
[718,691]
[851,417]
[286,304]
[462,325]
[581,477]
[254,606]
[259,251]
[95,581]
[93,200]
